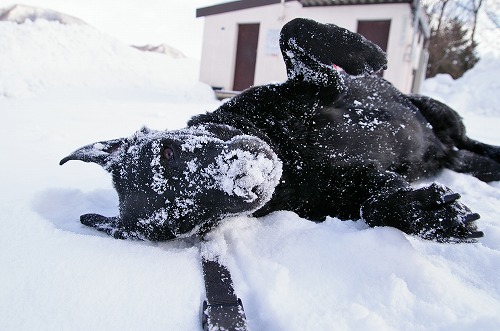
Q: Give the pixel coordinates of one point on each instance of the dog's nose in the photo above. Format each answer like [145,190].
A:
[249,169]
[252,145]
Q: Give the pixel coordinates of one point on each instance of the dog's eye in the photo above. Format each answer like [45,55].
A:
[168,153]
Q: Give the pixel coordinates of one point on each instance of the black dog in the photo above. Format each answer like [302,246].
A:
[329,143]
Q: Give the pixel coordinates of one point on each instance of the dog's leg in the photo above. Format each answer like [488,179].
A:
[446,123]
[313,53]
[466,155]
[490,151]
[311,49]
[479,166]
[112,226]
[448,126]
[432,212]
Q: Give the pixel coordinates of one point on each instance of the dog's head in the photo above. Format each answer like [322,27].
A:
[178,182]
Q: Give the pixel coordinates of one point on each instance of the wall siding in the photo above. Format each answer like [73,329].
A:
[220,35]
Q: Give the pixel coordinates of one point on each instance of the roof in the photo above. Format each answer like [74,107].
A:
[234,5]
[312,3]
[246,4]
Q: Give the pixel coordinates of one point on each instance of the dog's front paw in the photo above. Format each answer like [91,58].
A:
[108,225]
[362,57]
[306,43]
[431,212]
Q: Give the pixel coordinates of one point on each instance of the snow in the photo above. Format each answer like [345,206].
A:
[250,174]
[21,13]
[162,49]
[54,58]
[64,86]
[464,94]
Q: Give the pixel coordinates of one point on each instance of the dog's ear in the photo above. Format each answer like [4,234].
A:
[99,152]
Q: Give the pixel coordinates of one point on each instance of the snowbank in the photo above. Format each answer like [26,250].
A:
[20,14]
[41,56]
[162,49]
[472,93]
[291,274]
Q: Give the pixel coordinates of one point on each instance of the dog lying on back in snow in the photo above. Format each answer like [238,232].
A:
[323,143]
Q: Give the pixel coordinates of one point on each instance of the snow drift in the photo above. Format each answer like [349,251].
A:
[40,56]
[472,93]
[68,85]
[162,49]
[21,13]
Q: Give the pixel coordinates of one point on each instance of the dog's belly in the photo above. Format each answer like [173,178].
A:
[398,140]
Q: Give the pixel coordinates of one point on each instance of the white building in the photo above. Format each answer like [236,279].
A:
[240,41]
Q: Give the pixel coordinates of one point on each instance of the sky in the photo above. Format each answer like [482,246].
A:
[173,22]
[137,22]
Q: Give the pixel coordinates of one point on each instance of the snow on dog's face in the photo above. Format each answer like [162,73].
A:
[175,183]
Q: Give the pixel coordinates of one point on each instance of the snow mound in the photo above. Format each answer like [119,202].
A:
[44,57]
[472,92]
[20,14]
[162,49]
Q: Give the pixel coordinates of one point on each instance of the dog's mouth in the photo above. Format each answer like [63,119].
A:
[168,197]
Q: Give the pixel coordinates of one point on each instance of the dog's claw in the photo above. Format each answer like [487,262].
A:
[93,219]
[449,198]
[471,218]
[475,235]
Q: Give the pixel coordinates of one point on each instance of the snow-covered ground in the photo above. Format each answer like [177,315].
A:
[63,86]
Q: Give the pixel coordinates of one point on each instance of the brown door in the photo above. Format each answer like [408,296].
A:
[246,56]
[376,31]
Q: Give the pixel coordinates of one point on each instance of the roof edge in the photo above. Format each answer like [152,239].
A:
[246,4]
[328,3]
[233,6]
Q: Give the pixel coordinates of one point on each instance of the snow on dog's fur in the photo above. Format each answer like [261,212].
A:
[176,183]
[323,143]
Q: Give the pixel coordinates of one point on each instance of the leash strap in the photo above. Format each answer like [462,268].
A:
[222,310]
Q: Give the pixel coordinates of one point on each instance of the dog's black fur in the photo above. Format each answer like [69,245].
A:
[349,147]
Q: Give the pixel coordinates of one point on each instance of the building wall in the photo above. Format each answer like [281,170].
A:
[221,30]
